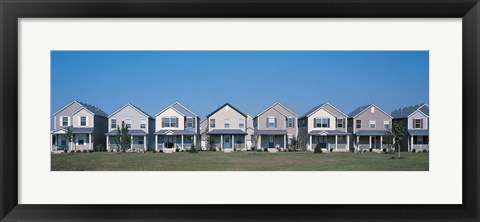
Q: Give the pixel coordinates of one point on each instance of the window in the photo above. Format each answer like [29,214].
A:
[386,124]
[241,123]
[321,122]
[238,139]
[113,123]
[271,122]
[128,123]
[65,121]
[340,123]
[190,122]
[358,124]
[372,109]
[83,120]
[373,124]
[290,122]
[290,137]
[140,140]
[417,123]
[212,123]
[169,122]
[80,142]
[227,123]
[143,123]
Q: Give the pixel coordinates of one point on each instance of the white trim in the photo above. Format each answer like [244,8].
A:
[166,108]
[131,105]
[368,108]
[311,113]
[83,108]
[416,111]
[370,124]
[68,121]
[272,107]
[80,121]
[69,104]
[176,102]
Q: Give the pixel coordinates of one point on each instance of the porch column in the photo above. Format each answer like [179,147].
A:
[108,144]
[370,142]
[357,144]
[311,142]
[285,141]
[51,142]
[144,143]
[221,142]
[156,142]
[131,144]
[232,143]
[259,141]
[245,141]
[411,140]
[182,143]
[90,141]
[348,142]
[408,144]
[381,142]
[195,141]
[336,142]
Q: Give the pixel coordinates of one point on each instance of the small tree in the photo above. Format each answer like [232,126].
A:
[69,137]
[123,138]
[317,149]
[399,133]
[193,149]
[210,143]
[389,136]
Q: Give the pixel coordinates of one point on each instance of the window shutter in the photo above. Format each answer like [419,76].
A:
[275,122]
[421,123]
[413,123]
[267,121]
[293,122]
[328,122]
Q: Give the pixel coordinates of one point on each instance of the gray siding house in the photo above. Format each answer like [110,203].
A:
[324,125]
[275,127]
[369,124]
[177,128]
[141,127]
[415,120]
[227,128]
[88,123]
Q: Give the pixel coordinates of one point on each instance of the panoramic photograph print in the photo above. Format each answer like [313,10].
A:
[239,111]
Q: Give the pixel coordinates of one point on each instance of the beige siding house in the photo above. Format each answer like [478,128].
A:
[369,124]
[324,125]
[141,127]
[88,123]
[177,128]
[275,127]
[227,128]
[415,120]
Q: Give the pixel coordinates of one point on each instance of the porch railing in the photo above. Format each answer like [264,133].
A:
[419,147]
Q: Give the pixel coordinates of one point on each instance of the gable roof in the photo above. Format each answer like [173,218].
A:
[272,107]
[405,112]
[316,108]
[226,104]
[181,109]
[134,107]
[362,109]
[93,109]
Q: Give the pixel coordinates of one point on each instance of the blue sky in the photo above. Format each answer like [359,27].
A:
[249,80]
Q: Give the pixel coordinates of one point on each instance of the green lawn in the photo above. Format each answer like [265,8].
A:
[238,161]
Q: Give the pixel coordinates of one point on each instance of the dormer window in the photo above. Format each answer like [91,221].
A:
[83,120]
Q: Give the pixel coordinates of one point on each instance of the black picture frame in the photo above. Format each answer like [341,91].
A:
[11,11]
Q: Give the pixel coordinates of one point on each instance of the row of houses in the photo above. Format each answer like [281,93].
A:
[227,128]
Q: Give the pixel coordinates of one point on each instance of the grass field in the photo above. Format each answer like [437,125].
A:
[238,161]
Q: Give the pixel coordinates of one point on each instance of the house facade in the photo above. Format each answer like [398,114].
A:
[177,128]
[369,125]
[227,128]
[275,127]
[415,121]
[88,123]
[324,125]
[141,127]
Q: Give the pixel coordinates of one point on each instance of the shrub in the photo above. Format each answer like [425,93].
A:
[177,150]
[317,149]
[265,149]
[370,149]
[192,149]
[234,149]
[161,151]
[331,149]
[424,151]
[413,150]
[154,151]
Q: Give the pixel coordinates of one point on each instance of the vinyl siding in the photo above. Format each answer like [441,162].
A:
[131,113]
[366,116]
[169,113]
[227,113]
[418,115]
[76,118]
[68,111]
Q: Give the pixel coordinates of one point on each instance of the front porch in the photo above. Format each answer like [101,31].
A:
[332,141]
[82,139]
[138,138]
[418,143]
[228,140]
[173,143]
[370,143]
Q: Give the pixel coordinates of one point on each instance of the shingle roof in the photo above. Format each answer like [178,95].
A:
[418,132]
[137,108]
[184,110]
[272,132]
[370,133]
[174,132]
[226,104]
[131,132]
[75,129]
[328,132]
[312,110]
[94,109]
[358,110]
[407,111]
[226,131]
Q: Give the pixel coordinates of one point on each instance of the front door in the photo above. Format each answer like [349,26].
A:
[271,141]
[374,142]
[169,141]
[227,142]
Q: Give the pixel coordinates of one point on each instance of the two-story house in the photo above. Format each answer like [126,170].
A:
[274,126]
[227,128]
[87,123]
[415,120]
[369,124]
[141,127]
[177,128]
[324,125]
